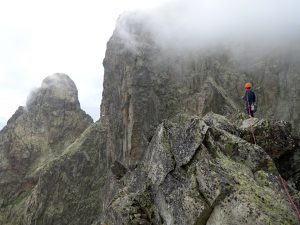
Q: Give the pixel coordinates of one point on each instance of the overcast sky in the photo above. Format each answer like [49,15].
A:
[39,38]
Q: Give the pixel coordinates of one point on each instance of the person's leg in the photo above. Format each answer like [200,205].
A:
[248,110]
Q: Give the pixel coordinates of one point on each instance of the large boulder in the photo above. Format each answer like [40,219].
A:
[275,137]
[279,141]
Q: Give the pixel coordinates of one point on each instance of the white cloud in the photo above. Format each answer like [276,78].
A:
[200,23]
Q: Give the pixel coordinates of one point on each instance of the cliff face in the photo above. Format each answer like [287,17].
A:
[145,83]
[158,155]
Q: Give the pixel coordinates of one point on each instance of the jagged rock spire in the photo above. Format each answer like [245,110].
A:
[57,91]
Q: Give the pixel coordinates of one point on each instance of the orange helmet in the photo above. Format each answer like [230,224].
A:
[248,85]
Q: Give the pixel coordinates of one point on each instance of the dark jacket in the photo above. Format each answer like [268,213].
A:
[249,97]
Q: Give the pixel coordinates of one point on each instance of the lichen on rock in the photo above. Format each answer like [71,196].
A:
[214,186]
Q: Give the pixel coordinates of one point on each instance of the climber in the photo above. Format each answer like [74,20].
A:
[249,99]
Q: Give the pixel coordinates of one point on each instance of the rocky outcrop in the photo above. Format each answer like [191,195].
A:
[36,134]
[278,140]
[69,189]
[195,171]
[200,171]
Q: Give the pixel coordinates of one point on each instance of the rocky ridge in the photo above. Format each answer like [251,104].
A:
[200,171]
[195,171]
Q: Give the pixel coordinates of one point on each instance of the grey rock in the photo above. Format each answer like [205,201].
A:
[118,170]
[35,135]
[226,181]
[269,135]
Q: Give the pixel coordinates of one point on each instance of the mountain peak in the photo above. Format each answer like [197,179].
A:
[56,91]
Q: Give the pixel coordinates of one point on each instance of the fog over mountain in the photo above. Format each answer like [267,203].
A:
[191,24]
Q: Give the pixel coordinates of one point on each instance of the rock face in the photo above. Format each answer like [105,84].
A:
[145,83]
[36,134]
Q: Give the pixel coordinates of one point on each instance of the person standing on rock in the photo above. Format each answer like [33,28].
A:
[249,99]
